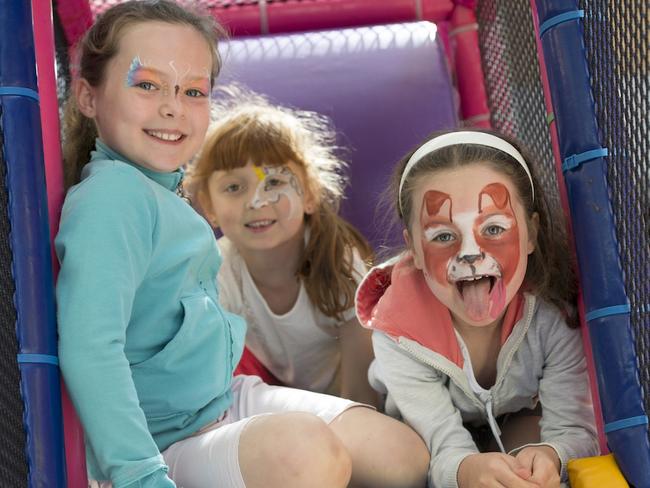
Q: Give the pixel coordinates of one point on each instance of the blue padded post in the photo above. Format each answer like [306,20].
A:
[29,241]
[601,277]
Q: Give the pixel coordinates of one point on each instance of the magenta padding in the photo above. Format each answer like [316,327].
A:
[49,109]
[385,87]
[469,72]
[76,17]
[254,18]
[44,45]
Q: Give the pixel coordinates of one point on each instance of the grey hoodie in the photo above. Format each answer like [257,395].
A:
[424,369]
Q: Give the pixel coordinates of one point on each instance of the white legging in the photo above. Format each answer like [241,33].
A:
[210,458]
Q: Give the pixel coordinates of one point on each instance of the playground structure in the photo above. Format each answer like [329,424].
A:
[583,105]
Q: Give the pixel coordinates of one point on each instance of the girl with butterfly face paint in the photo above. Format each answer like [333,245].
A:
[267,178]
[471,338]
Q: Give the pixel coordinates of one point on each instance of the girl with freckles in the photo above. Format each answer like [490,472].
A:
[474,334]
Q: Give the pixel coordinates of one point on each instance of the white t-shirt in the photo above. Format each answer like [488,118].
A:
[301,347]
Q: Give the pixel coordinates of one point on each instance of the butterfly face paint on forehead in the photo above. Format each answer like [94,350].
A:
[275,182]
[139,73]
[142,72]
[178,78]
[471,249]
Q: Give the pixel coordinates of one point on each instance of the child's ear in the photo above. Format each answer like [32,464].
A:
[85,96]
[407,239]
[309,203]
[533,230]
[409,244]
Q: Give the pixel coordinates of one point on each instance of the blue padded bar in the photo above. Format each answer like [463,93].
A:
[616,370]
[609,334]
[17,54]
[575,160]
[558,19]
[38,358]
[604,312]
[594,231]
[40,382]
[18,91]
[626,423]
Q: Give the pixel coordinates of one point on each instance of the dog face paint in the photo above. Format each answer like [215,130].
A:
[275,182]
[472,249]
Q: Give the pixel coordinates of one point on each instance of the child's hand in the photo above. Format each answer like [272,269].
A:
[543,463]
[494,470]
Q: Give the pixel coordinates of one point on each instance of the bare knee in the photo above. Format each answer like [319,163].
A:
[412,463]
[408,466]
[385,453]
[314,448]
[292,450]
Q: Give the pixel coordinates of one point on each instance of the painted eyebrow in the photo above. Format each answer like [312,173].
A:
[195,79]
[436,222]
[503,213]
[146,70]
[199,82]
[139,74]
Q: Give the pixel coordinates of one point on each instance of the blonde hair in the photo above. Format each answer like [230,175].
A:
[248,128]
[99,45]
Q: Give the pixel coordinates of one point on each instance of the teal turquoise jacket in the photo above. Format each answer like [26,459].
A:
[146,351]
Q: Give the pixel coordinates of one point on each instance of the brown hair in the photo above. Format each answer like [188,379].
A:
[550,272]
[251,129]
[99,45]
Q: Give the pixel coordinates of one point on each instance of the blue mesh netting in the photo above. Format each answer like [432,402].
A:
[512,82]
[13,461]
[618,52]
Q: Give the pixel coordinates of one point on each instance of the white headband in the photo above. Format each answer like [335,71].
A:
[463,137]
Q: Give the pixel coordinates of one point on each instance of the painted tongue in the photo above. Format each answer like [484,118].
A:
[498,298]
[476,296]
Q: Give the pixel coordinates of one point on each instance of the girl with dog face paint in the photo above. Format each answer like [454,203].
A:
[470,321]
[471,241]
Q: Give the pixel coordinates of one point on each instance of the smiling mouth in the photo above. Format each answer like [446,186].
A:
[166,136]
[259,224]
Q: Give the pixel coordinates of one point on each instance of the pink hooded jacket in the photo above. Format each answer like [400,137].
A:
[395,299]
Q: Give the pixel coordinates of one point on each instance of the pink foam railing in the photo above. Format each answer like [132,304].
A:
[255,18]
[44,43]
[467,62]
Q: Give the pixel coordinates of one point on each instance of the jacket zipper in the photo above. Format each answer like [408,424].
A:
[520,339]
[445,371]
[487,405]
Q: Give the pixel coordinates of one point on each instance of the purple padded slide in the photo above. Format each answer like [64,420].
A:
[385,87]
